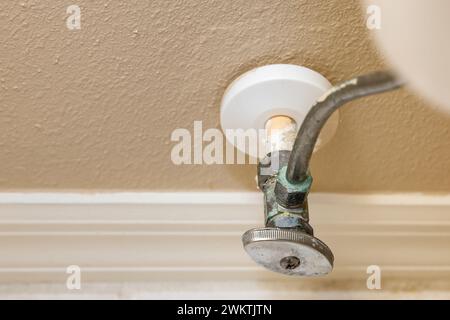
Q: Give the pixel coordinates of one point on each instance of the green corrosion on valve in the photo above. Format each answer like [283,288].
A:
[291,195]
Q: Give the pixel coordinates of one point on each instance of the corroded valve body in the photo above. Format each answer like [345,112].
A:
[287,244]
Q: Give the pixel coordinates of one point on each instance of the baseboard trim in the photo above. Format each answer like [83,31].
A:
[212,198]
[196,235]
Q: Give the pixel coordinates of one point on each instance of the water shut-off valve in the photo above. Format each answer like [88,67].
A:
[297,107]
[287,243]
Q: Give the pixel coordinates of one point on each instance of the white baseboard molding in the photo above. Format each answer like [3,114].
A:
[196,236]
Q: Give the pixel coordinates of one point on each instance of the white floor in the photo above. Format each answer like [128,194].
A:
[226,290]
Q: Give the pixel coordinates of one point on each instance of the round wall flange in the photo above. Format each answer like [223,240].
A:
[274,90]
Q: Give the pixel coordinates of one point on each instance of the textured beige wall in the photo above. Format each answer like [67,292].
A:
[94,108]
